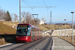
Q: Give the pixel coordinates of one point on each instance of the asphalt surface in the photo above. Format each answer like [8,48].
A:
[41,44]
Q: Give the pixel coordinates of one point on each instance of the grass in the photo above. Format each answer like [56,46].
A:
[2,41]
[9,23]
[42,27]
[54,27]
[5,29]
[69,39]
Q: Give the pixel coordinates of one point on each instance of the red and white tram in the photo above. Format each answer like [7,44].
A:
[27,33]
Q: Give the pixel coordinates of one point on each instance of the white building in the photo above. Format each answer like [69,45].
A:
[41,22]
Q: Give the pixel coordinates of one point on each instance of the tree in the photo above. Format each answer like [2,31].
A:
[26,17]
[15,17]
[43,19]
[23,17]
[2,15]
[36,20]
[8,18]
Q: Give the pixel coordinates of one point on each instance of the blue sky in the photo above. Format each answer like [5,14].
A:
[59,13]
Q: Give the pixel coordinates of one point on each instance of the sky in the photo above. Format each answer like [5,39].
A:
[62,10]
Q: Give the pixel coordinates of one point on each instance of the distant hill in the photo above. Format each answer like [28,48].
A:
[69,22]
[63,24]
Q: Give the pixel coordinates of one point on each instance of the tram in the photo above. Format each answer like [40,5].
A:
[27,33]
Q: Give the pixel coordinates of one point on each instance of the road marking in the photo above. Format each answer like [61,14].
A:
[39,45]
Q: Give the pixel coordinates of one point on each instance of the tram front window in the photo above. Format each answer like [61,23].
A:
[22,31]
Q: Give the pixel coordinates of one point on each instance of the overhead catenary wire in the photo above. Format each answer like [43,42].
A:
[38,6]
[34,2]
[45,4]
[29,6]
[46,7]
[32,7]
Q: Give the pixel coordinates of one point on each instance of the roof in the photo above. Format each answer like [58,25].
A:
[30,25]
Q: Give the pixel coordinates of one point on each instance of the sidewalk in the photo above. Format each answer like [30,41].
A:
[59,44]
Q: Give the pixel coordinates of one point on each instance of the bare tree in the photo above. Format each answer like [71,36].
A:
[3,15]
[23,17]
[43,19]
[26,16]
[36,20]
[15,17]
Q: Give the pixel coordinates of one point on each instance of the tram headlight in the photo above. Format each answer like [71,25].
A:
[26,37]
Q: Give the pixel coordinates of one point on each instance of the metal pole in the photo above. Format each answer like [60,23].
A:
[51,21]
[37,22]
[19,11]
[44,29]
[37,18]
[51,18]
[68,32]
[72,29]
[59,30]
[65,28]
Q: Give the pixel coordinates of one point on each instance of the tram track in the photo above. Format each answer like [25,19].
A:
[43,43]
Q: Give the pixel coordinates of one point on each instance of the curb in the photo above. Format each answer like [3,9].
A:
[53,44]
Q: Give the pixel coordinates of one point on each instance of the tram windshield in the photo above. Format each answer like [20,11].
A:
[23,31]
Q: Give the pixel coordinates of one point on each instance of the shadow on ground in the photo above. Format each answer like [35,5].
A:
[9,38]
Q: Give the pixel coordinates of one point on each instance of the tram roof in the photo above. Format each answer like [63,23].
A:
[30,25]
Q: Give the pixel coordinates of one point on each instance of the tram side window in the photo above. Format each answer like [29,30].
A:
[29,29]
[37,33]
[33,32]
[40,33]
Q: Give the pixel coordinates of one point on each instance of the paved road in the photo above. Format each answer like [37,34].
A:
[60,44]
[41,44]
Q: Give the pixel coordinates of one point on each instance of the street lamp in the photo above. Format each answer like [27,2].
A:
[65,28]
[59,30]
[72,27]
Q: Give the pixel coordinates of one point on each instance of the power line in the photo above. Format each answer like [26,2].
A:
[35,2]
[38,6]
[46,6]
[32,7]
[44,3]
[29,6]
